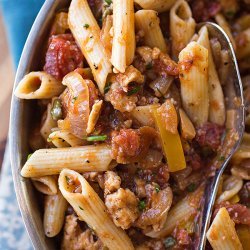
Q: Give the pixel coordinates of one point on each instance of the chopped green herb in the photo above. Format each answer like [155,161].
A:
[157,189]
[67,179]
[74,99]
[86,26]
[133,91]
[141,205]
[29,155]
[222,158]
[56,111]
[191,187]
[149,65]
[230,13]
[107,87]
[96,138]
[108,1]
[81,208]
[169,242]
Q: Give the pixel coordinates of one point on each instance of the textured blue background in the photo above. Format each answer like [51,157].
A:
[18,17]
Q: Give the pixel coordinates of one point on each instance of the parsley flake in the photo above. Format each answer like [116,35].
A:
[67,179]
[29,155]
[133,91]
[86,26]
[96,138]
[191,187]
[81,208]
[107,87]
[222,158]
[157,189]
[108,2]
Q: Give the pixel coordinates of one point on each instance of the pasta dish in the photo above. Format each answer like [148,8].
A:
[130,119]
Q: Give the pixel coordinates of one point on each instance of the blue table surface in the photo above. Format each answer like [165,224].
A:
[18,17]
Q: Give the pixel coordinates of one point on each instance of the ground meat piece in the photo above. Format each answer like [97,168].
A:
[204,10]
[245,194]
[63,56]
[182,237]
[147,58]
[112,182]
[239,213]
[123,207]
[74,238]
[159,203]
[140,188]
[131,75]
[131,145]
[119,98]
[152,244]
[209,135]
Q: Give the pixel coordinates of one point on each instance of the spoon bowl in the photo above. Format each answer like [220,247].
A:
[233,92]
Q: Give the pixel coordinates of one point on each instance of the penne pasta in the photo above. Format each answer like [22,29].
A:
[54,214]
[38,85]
[220,19]
[123,48]
[86,31]
[82,159]
[106,34]
[182,26]
[193,66]
[92,211]
[157,5]
[149,22]
[46,184]
[63,139]
[217,113]
[178,214]
[222,233]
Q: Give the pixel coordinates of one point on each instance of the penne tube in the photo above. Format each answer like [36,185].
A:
[179,214]
[46,184]
[63,139]
[220,19]
[94,116]
[86,73]
[38,85]
[54,214]
[123,49]
[82,159]
[149,22]
[86,31]
[157,5]
[243,44]
[48,124]
[217,113]
[193,66]
[90,208]
[222,233]
[106,36]
[182,26]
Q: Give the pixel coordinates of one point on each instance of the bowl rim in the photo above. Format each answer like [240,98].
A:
[26,58]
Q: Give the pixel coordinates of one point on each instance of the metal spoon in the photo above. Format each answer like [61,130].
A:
[233,92]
